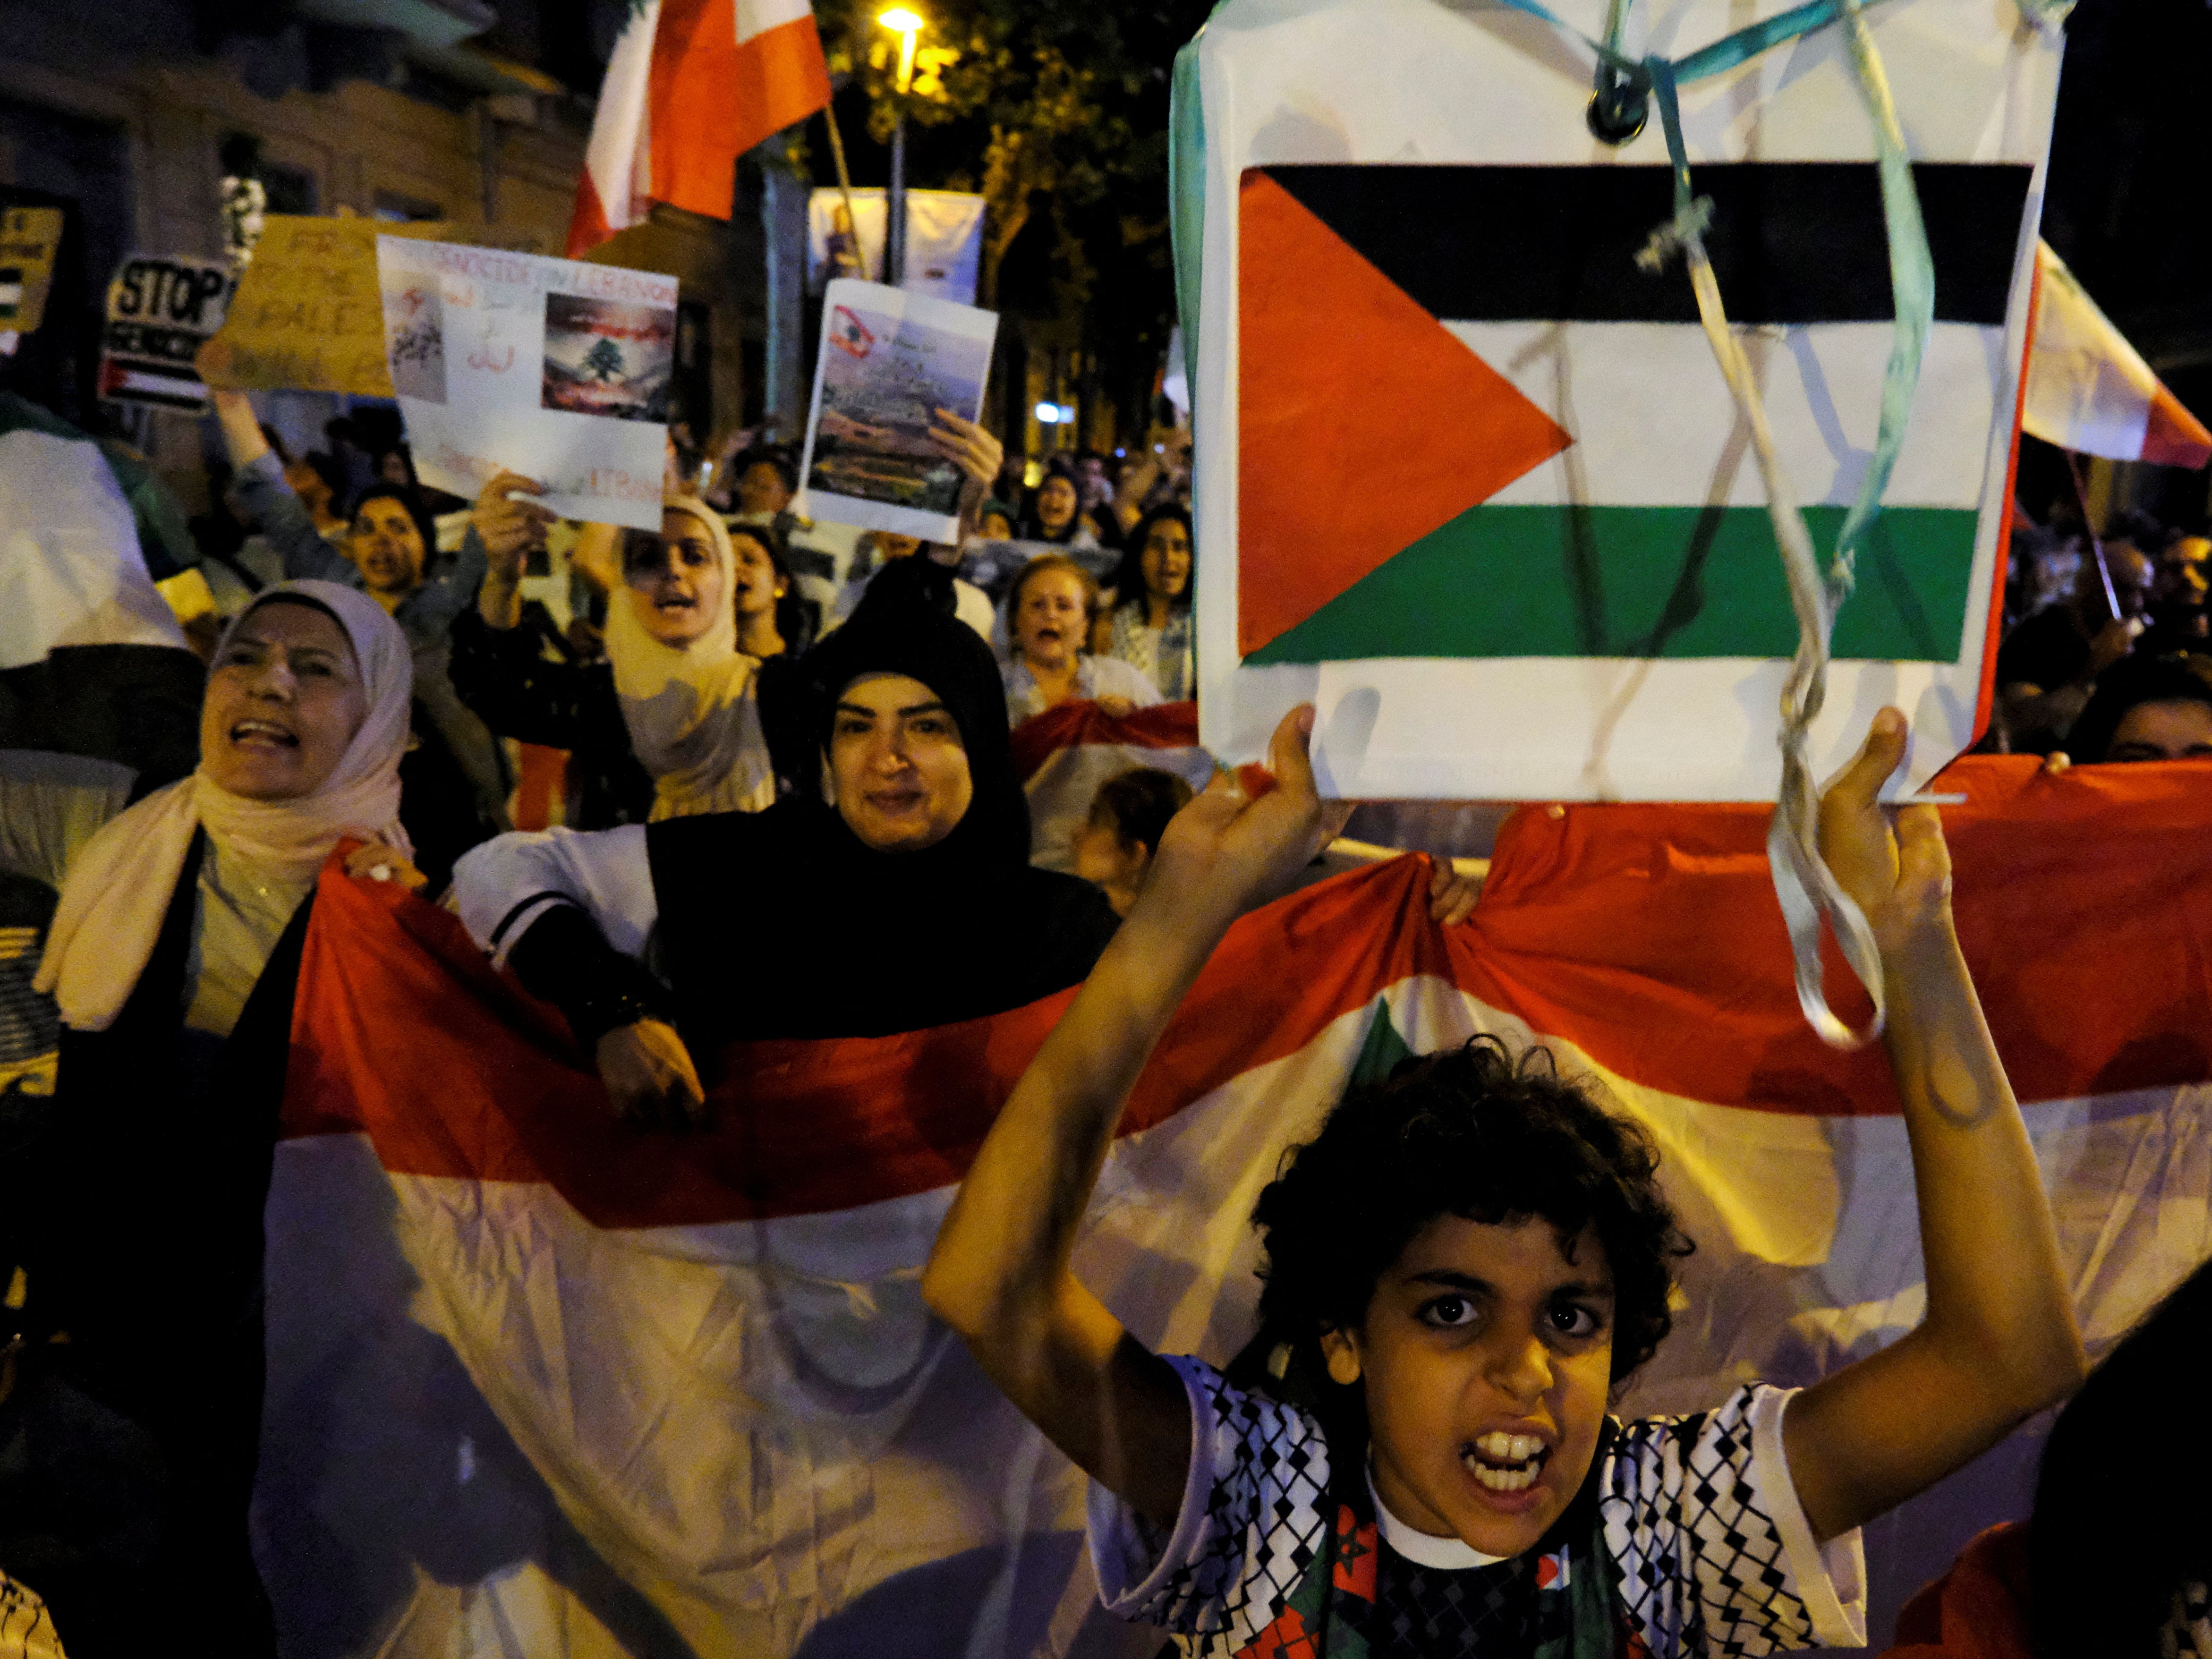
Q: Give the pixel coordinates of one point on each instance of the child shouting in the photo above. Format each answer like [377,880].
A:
[1462,1271]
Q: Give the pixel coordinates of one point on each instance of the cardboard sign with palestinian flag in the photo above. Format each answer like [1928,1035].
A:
[1468,474]
[541,1385]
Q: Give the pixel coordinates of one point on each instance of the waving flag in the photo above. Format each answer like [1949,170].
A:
[542,1385]
[691,85]
[2089,390]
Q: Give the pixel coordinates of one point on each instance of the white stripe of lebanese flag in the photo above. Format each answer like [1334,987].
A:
[2088,390]
[691,85]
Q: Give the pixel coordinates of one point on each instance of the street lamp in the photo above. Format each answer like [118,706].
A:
[906,24]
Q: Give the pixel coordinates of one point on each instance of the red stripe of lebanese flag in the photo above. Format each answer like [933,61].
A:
[1163,725]
[1645,936]
[691,85]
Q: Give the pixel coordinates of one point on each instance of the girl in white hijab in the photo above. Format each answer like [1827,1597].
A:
[689,695]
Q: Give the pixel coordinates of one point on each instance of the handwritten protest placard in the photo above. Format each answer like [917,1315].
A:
[554,368]
[307,315]
[159,312]
[28,237]
[889,360]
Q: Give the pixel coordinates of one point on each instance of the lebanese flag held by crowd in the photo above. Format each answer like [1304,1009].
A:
[691,85]
[2089,391]
[1063,755]
[540,1384]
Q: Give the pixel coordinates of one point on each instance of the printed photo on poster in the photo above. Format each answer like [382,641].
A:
[890,361]
[415,332]
[554,368]
[602,358]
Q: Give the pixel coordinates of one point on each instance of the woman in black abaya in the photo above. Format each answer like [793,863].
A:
[777,924]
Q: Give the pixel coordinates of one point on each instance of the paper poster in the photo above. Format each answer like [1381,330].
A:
[554,368]
[889,361]
[307,315]
[1468,474]
[29,238]
[943,241]
[159,312]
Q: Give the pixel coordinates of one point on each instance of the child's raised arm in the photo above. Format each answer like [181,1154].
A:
[1998,1342]
[998,1275]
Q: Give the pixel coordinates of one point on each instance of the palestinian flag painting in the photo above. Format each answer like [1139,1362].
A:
[1489,500]
[1543,478]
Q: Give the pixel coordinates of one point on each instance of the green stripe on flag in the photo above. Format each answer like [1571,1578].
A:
[1640,582]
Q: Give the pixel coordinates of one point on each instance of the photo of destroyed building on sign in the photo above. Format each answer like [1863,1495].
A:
[606,358]
[881,383]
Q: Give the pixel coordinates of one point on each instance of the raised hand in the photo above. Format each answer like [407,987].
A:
[1899,875]
[1234,845]
[509,529]
[978,455]
[650,1078]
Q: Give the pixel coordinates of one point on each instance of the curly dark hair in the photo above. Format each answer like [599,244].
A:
[1471,1132]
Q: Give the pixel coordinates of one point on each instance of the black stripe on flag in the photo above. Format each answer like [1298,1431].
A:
[1790,241]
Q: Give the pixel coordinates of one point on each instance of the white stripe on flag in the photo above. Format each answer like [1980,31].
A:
[1822,384]
[759,16]
[758,1425]
[619,157]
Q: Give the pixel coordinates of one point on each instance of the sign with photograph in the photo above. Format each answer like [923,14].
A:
[943,241]
[29,238]
[889,360]
[159,312]
[554,368]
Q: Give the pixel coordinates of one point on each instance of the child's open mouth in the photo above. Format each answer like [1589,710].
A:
[1506,1463]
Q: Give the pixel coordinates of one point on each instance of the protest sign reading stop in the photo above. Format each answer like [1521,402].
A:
[160,312]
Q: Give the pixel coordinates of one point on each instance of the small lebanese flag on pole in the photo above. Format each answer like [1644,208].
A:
[2089,391]
[692,85]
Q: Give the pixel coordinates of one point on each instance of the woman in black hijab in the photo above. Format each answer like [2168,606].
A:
[777,924]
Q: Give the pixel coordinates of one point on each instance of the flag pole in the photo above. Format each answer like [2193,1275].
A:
[845,184]
[2088,529]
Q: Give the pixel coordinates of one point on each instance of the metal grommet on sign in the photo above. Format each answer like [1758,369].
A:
[1618,112]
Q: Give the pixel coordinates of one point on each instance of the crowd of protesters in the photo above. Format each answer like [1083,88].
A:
[755,741]
[2107,656]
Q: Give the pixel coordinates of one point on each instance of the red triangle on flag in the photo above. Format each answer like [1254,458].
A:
[1363,422]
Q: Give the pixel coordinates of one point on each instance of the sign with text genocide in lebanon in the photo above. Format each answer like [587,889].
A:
[554,368]
[1469,476]
[159,312]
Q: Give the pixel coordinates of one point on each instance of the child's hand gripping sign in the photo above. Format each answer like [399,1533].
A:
[1463,1268]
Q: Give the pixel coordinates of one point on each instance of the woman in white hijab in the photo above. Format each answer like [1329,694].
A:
[689,695]
[174,955]
[670,725]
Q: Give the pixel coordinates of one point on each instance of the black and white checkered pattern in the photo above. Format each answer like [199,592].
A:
[1266,1519]
[1699,1563]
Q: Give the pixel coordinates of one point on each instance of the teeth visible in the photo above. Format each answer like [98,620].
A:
[1509,1447]
[1502,1480]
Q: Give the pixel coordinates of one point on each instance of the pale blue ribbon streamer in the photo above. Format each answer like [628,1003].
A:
[1804,884]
